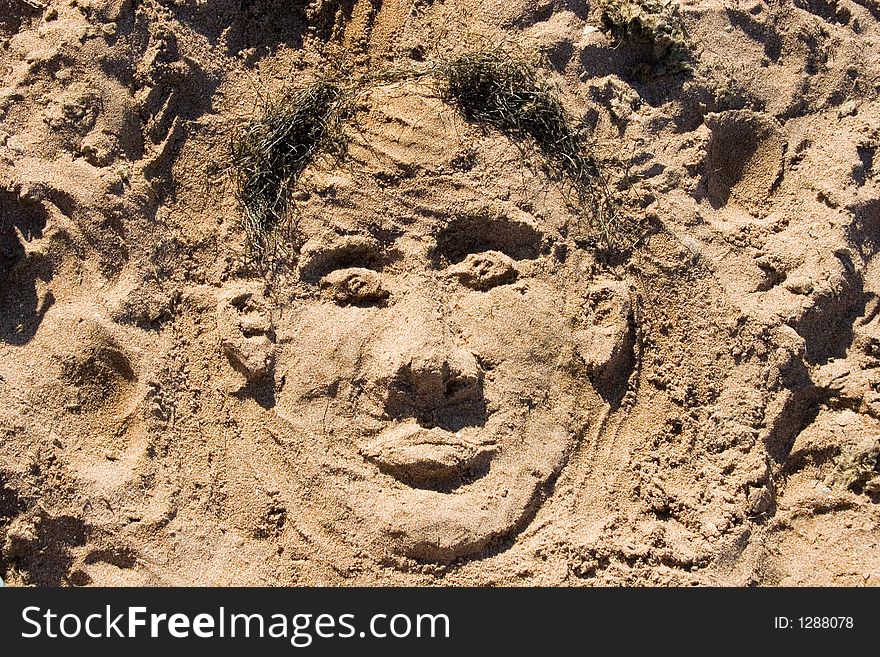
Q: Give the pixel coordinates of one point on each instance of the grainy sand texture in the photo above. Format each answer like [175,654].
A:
[625,334]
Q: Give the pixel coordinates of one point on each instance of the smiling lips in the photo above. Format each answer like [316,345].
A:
[424,457]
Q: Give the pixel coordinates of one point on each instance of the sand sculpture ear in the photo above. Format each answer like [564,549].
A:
[606,339]
[247,335]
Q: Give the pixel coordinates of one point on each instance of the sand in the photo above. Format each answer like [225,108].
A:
[450,384]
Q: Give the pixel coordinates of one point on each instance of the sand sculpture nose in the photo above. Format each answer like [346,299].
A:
[435,378]
[440,379]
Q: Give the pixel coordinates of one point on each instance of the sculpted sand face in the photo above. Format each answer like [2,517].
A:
[441,340]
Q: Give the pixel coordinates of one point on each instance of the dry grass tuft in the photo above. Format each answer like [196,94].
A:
[270,152]
[505,93]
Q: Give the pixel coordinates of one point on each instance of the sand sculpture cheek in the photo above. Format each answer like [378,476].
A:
[94,373]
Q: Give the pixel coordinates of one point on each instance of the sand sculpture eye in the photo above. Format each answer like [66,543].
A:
[482,250]
[354,286]
[483,271]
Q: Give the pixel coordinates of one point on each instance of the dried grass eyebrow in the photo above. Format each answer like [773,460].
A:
[489,88]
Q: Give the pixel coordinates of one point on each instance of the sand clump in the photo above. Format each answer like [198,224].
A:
[439,293]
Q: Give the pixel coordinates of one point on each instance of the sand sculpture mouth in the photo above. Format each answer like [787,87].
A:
[425,458]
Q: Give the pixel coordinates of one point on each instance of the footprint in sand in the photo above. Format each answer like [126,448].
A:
[744,158]
[89,369]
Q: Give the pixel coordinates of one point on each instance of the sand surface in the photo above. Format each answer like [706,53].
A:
[450,385]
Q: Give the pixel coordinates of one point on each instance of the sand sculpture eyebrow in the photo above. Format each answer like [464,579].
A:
[478,233]
[488,88]
[341,253]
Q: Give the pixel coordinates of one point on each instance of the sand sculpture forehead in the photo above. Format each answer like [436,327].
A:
[417,141]
[413,164]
